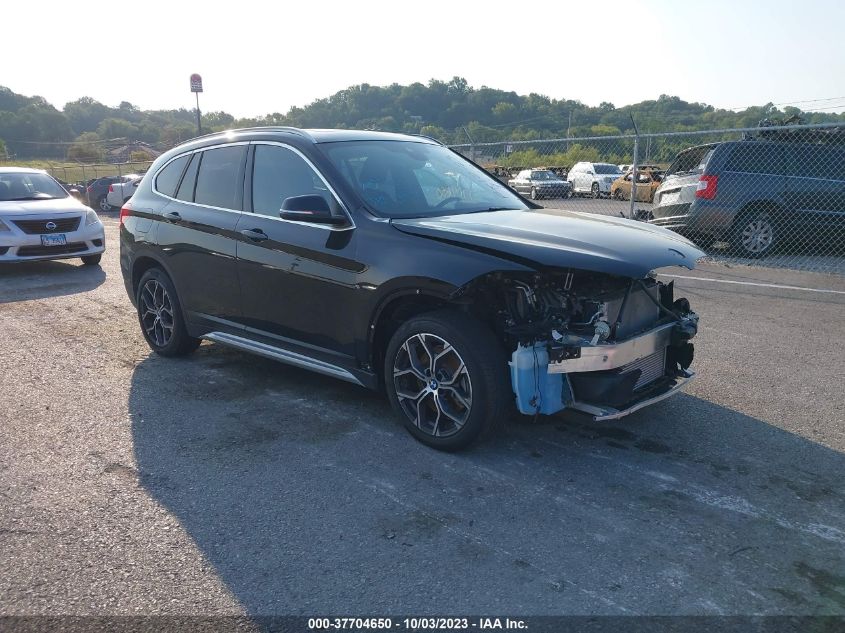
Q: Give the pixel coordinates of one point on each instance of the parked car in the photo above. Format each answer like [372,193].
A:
[540,183]
[321,249]
[647,167]
[647,183]
[594,179]
[755,194]
[98,189]
[120,192]
[39,219]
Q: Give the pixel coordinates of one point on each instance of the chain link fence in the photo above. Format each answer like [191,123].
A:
[772,195]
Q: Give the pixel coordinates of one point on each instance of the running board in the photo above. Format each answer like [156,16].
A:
[282,355]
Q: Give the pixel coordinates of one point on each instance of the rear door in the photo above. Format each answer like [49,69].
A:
[197,235]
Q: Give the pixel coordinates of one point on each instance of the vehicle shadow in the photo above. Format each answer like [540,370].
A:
[38,280]
[306,496]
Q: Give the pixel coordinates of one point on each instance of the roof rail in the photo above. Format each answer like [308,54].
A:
[255,128]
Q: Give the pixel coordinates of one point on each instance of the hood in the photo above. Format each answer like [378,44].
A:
[37,207]
[562,239]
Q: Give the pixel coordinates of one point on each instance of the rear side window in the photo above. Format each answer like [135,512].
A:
[218,180]
[756,158]
[186,189]
[168,178]
[280,173]
[816,161]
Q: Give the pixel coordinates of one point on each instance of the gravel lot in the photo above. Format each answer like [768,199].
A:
[226,483]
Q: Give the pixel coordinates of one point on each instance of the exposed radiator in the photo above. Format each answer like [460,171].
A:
[652,367]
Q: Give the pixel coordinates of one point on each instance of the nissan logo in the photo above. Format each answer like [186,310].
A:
[50,226]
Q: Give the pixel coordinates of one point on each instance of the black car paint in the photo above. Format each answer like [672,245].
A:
[344,278]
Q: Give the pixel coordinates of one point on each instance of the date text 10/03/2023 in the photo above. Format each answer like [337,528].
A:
[416,623]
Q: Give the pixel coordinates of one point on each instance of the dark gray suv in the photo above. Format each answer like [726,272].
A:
[755,194]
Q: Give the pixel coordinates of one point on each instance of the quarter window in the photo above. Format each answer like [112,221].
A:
[168,178]
[219,177]
[280,173]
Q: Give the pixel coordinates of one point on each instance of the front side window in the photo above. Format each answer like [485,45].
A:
[406,179]
[29,186]
[543,175]
[279,173]
[218,180]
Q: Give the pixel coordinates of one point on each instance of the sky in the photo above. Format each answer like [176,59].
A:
[261,57]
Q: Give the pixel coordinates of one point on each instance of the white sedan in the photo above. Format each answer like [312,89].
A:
[120,192]
[39,219]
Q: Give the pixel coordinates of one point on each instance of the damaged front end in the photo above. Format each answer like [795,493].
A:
[601,344]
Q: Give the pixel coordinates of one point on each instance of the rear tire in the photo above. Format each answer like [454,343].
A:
[534,195]
[91,260]
[446,376]
[160,316]
[103,204]
[754,234]
[594,190]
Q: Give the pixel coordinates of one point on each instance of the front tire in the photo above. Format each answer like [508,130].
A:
[619,195]
[160,316]
[92,260]
[446,375]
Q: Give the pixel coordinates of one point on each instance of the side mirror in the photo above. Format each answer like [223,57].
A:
[75,193]
[310,208]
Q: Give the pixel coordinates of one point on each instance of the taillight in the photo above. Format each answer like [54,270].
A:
[707,187]
[90,189]
[124,212]
[111,188]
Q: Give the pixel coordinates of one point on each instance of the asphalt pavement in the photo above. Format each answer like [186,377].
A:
[223,483]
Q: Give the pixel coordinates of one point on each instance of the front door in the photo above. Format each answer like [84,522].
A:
[298,279]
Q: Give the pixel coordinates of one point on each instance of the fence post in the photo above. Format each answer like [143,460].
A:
[634,177]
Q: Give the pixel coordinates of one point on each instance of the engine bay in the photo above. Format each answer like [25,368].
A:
[587,340]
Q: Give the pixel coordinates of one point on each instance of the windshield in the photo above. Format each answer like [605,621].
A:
[404,179]
[604,168]
[29,186]
[543,175]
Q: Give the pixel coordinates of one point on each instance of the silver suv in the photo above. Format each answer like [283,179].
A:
[594,179]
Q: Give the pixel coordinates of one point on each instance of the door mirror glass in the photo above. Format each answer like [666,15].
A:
[309,208]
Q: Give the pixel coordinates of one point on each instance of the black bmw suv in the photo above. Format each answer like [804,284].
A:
[394,263]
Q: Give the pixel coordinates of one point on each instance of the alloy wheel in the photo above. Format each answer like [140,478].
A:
[757,236]
[595,190]
[156,313]
[432,385]
[104,204]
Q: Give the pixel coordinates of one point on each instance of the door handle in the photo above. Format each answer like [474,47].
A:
[173,215]
[256,235]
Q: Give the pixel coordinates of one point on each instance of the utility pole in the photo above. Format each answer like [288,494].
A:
[634,168]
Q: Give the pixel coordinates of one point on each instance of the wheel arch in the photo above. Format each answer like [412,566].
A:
[391,314]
